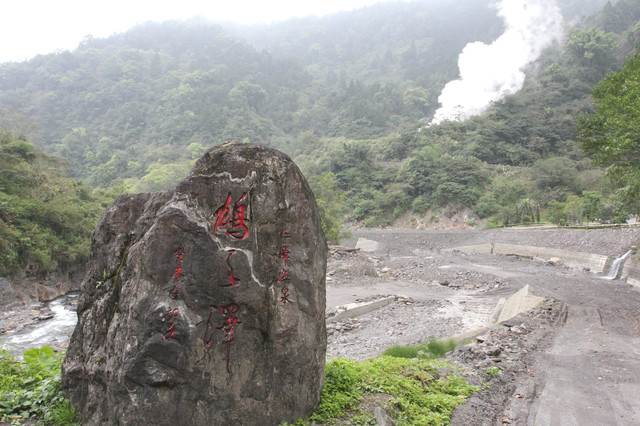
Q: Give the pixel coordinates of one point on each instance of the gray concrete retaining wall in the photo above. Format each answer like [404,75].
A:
[574,259]
[480,249]
[631,272]
[353,310]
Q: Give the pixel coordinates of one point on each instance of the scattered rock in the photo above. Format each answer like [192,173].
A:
[382,418]
[482,338]
[492,351]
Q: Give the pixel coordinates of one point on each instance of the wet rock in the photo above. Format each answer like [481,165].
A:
[44,314]
[46,293]
[205,305]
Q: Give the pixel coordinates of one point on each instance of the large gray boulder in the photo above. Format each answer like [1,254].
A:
[204,306]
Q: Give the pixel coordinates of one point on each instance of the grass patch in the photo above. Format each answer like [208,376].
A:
[32,389]
[492,371]
[420,394]
[432,349]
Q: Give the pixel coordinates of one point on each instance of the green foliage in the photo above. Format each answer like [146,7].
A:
[346,94]
[442,179]
[557,213]
[45,218]
[555,174]
[493,370]
[419,394]
[440,348]
[405,351]
[591,203]
[610,134]
[330,200]
[196,150]
[593,48]
[431,349]
[160,177]
[341,390]
[33,389]
[42,358]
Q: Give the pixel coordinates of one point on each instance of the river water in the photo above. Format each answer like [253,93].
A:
[55,331]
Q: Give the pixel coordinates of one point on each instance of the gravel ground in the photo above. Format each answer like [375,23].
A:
[440,294]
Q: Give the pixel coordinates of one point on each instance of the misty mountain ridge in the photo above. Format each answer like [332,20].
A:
[339,93]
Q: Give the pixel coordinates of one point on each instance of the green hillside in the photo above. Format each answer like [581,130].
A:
[45,218]
[349,96]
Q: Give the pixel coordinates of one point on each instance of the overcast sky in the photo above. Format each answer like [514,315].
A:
[31,27]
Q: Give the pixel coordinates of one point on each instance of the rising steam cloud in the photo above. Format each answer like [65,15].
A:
[488,72]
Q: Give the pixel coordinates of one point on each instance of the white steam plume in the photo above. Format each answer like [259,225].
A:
[488,72]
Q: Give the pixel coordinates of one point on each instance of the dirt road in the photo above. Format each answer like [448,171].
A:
[585,371]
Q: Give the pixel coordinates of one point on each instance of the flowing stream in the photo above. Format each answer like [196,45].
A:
[55,331]
[614,271]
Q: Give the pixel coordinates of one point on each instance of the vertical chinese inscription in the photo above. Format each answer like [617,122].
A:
[174,292]
[230,218]
[283,275]
[227,328]
[233,280]
[173,313]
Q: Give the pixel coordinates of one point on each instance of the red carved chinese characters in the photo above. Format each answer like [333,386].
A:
[233,221]
[233,281]
[283,275]
[172,314]
[173,293]
[284,254]
[227,328]
[285,296]
[230,218]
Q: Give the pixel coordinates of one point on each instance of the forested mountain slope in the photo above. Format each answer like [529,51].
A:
[45,218]
[347,95]
[147,94]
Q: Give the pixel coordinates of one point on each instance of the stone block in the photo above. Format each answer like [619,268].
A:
[205,305]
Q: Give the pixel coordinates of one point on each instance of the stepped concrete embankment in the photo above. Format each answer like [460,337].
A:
[574,259]
[596,263]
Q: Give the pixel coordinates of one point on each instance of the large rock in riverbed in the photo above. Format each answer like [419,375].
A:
[204,306]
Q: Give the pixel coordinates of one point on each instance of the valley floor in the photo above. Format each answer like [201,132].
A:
[574,360]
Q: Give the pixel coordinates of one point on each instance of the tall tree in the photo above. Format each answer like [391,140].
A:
[611,134]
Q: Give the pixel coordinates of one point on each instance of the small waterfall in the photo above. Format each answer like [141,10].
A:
[614,271]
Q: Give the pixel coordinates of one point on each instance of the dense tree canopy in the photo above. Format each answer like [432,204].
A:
[348,96]
[611,135]
[45,218]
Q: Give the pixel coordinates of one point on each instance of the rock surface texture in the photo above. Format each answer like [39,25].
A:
[204,306]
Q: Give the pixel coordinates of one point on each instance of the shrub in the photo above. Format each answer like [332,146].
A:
[432,349]
[419,395]
[33,388]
